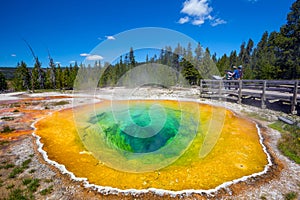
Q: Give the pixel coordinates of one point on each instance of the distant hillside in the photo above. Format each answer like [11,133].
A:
[8,72]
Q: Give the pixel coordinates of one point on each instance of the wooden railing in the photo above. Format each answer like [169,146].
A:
[265,90]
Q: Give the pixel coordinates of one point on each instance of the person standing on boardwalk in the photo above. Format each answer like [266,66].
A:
[240,68]
[236,73]
[228,77]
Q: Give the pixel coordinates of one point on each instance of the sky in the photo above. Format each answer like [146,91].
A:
[70,29]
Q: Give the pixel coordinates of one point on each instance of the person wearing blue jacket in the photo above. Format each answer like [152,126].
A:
[236,73]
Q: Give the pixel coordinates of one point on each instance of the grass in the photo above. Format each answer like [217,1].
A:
[27,193]
[26,181]
[48,180]
[15,172]
[10,186]
[289,144]
[15,105]
[278,125]
[3,142]
[47,190]
[7,166]
[7,129]
[17,194]
[26,163]
[19,169]
[290,196]
[257,116]
[60,103]
[33,185]
[8,118]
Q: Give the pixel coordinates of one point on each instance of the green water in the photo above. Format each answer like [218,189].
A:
[138,136]
[116,133]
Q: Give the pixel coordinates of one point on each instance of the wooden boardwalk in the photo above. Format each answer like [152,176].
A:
[265,90]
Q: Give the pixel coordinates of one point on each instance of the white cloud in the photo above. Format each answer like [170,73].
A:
[94,57]
[72,61]
[57,62]
[198,12]
[199,8]
[110,37]
[218,21]
[13,55]
[183,20]
[198,22]
[84,54]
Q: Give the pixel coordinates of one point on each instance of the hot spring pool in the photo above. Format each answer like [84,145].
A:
[153,144]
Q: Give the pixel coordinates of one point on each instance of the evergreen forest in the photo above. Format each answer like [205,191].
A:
[275,56]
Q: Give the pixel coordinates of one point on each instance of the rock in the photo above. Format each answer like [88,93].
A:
[286,120]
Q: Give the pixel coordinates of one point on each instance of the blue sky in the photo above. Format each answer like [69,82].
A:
[71,29]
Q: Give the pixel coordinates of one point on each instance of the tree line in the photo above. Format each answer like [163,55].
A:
[276,56]
[37,78]
[187,65]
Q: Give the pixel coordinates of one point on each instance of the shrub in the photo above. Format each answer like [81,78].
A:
[33,185]
[47,190]
[17,194]
[26,181]
[290,196]
[7,129]
[15,172]
[60,103]
[10,186]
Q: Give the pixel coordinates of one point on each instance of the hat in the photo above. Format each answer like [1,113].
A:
[240,67]
[234,67]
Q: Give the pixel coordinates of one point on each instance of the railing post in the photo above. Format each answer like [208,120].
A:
[220,90]
[201,87]
[240,92]
[294,99]
[263,95]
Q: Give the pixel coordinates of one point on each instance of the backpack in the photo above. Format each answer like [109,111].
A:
[236,74]
[241,73]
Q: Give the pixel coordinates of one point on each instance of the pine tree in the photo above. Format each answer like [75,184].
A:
[162,57]
[3,83]
[38,76]
[247,64]
[189,52]
[198,52]
[52,75]
[290,43]
[242,55]
[207,68]
[59,77]
[21,79]
[48,82]
[189,72]
[223,64]
[66,78]
[233,59]
[131,58]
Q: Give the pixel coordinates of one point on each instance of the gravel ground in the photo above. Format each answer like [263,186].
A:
[282,179]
